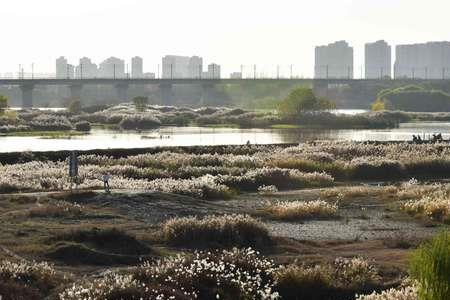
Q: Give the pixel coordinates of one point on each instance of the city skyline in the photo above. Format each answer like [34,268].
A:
[277,33]
[334,60]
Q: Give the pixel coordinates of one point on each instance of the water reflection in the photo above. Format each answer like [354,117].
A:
[187,136]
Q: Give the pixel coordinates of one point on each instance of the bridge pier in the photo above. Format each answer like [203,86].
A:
[122,92]
[166,93]
[75,91]
[27,95]
[320,88]
[207,94]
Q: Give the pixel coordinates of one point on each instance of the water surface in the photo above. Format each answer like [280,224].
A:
[189,136]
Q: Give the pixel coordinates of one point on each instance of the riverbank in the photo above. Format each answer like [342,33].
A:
[310,203]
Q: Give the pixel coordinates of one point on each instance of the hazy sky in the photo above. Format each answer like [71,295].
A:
[229,32]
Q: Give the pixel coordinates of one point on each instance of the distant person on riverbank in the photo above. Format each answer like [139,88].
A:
[105,179]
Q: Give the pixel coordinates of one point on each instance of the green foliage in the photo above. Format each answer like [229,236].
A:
[378,105]
[3,104]
[430,266]
[140,103]
[84,126]
[74,106]
[253,95]
[413,98]
[302,100]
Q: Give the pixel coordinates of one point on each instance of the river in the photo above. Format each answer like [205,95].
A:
[187,136]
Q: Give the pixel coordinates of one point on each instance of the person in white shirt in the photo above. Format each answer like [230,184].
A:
[105,179]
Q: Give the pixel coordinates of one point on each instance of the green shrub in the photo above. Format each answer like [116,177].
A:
[415,98]
[430,266]
[139,122]
[83,126]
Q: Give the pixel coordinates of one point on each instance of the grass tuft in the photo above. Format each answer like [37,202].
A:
[216,231]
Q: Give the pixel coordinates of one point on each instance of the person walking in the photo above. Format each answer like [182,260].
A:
[105,179]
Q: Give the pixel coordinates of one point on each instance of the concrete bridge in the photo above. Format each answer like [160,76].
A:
[165,85]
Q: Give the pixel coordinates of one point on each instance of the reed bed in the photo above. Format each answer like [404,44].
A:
[301,210]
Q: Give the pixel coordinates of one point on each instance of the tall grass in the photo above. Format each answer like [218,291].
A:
[216,231]
[405,293]
[435,204]
[430,266]
[338,280]
[27,280]
[300,210]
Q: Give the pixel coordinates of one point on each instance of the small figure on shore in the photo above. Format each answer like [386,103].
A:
[414,138]
[248,143]
[105,179]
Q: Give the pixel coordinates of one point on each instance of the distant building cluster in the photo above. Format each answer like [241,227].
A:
[111,67]
[179,67]
[416,61]
[173,66]
[429,60]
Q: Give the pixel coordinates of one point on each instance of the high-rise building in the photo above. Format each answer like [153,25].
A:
[70,71]
[426,61]
[213,71]
[195,67]
[149,75]
[86,69]
[137,70]
[174,66]
[377,60]
[236,75]
[112,67]
[62,70]
[334,61]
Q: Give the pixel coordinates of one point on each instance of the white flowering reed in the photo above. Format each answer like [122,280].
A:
[405,293]
[204,275]
[225,230]
[435,204]
[298,210]
[267,189]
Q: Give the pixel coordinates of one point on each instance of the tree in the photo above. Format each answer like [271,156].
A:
[140,103]
[74,106]
[3,104]
[302,100]
[378,105]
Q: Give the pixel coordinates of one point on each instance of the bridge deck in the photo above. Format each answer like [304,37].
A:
[113,81]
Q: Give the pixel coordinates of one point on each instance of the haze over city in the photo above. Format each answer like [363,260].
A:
[265,33]
[225,149]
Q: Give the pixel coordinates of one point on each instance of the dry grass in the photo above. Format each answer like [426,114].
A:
[349,193]
[58,209]
[236,274]
[216,231]
[435,205]
[405,293]
[27,280]
[339,280]
[301,210]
